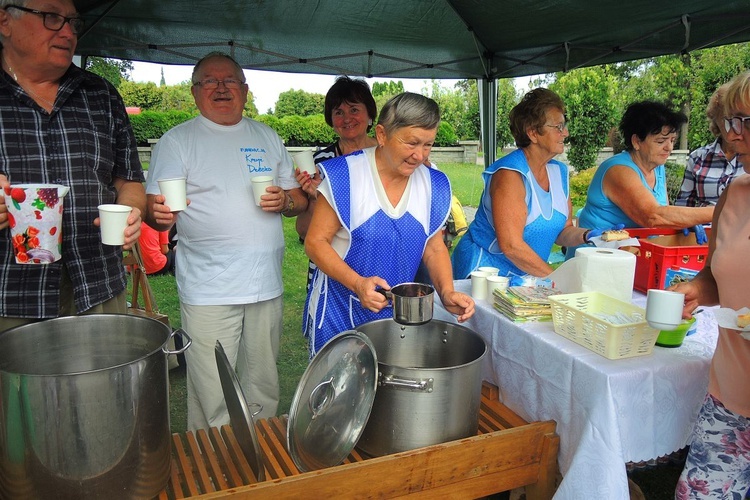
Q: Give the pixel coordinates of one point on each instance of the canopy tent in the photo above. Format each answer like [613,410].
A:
[480,39]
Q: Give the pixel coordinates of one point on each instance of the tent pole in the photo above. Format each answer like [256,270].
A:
[488,118]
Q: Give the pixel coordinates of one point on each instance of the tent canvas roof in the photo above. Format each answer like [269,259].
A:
[409,38]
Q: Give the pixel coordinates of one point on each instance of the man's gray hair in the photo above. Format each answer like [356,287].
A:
[409,110]
[211,55]
[20,3]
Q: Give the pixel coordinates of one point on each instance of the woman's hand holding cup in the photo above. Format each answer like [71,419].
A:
[664,309]
[369,297]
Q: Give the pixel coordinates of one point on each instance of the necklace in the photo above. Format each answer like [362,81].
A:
[36,96]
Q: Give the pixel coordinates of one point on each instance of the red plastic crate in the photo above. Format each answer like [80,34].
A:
[661,249]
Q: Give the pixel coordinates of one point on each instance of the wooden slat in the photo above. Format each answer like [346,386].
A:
[507,453]
[276,440]
[227,466]
[269,451]
[186,469]
[237,456]
[218,481]
[448,468]
[200,471]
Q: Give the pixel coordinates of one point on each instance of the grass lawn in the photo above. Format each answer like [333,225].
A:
[656,483]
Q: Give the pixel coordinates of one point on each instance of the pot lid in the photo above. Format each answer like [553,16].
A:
[240,416]
[332,402]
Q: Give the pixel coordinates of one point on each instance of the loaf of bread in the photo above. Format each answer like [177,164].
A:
[615,235]
[743,320]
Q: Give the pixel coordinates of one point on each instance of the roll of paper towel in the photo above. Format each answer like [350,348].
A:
[609,271]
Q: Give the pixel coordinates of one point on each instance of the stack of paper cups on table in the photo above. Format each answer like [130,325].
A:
[484,281]
[479,284]
[605,270]
[496,283]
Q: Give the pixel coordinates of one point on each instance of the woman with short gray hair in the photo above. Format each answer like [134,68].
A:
[409,110]
[380,214]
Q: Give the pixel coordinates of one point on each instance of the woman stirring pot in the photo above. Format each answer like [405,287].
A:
[380,213]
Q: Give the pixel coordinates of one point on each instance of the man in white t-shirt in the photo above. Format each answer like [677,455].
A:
[228,267]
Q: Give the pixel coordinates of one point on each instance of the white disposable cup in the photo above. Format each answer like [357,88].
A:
[479,285]
[496,283]
[113,219]
[175,192]
[260,183]
[304,161]
[664,309]
[491,271]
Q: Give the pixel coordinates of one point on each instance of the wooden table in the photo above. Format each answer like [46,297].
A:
[507,453]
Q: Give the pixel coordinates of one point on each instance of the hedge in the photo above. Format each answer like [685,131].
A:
[153,124]
[294,130]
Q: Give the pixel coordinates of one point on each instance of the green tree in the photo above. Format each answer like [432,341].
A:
[390,88]
[176,97]
[711,68]
[588,94]
[113,70]
[165,98]
[299,103]
[507,97]
[452,105]
[445,136]
[468,127]
[146,96]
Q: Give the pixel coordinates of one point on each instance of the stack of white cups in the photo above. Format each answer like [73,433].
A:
[499,283]
[484,282]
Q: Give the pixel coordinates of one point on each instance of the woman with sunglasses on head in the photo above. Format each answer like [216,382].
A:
[525,206]
[712,167]
[718,464]
[630,189]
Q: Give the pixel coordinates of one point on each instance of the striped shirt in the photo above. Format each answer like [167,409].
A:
[85,143]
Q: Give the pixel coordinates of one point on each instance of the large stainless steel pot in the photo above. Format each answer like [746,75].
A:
[429,385]
[84,410]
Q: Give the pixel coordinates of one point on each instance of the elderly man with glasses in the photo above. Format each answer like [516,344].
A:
[228,265]
[62,125]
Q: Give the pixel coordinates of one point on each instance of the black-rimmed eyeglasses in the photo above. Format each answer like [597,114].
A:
[213,83]
[51,20]
[735,123]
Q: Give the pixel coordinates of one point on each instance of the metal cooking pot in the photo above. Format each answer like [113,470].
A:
[84,410]
[429,385]
[412,302]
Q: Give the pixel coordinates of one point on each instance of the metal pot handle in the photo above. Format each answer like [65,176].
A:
[386,293]
[418,385]
[187,341]
[257,411]
[318,403]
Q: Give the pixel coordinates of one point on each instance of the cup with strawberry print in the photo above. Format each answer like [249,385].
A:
[35,218]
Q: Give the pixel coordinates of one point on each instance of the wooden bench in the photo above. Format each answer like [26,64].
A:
[507,453]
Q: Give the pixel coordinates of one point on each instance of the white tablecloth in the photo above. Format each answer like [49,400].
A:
[608,412]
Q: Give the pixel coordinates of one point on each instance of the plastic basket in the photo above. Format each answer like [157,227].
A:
[574,317]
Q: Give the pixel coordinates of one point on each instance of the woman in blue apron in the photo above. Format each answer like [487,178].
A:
[525,206]
[381,212]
